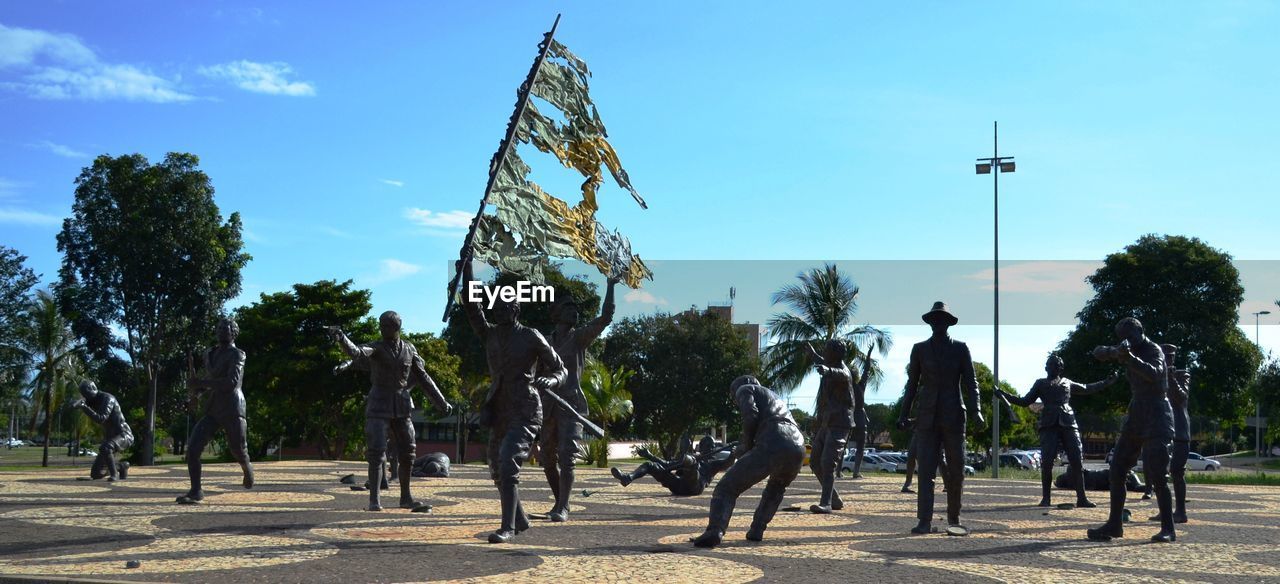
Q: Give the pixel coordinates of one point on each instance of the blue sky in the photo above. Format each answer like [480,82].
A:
[355,142]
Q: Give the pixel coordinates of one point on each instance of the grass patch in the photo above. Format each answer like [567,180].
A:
[1234,478]
[1271,464]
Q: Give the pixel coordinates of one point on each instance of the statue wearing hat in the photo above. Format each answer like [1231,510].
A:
[942,386]
[102,407]
[394,368]
[561,431]
[1147,431]
[1058,424]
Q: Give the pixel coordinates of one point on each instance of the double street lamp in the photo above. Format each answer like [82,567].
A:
[993,166]
[1257,420]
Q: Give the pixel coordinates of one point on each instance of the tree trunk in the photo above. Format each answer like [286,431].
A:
[48,413]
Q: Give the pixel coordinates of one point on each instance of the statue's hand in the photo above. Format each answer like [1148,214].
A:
[541,383]
[1104,353]
[448,408]
[977,421]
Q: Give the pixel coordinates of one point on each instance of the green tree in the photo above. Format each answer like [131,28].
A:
[821,307]
[147,249]
[16,282]
[880,418]
[47,342]
[1266,388]
[464,343]
[683,365]
[608,400]
[289,382]
[1184,292]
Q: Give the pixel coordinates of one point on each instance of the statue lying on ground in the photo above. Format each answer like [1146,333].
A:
[688,473]
[1099,480]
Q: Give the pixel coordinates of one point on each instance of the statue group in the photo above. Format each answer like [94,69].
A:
[524,366]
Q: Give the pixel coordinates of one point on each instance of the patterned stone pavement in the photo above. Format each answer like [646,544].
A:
[301,525]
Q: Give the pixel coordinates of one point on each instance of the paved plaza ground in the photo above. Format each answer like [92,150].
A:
[301,525]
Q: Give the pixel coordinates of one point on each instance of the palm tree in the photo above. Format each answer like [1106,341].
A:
[47,342]
[821,307]
[607,398]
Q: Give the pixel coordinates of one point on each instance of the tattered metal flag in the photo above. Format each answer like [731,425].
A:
[528,225]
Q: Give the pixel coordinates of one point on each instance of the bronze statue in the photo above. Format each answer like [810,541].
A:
[686,475]
[102,408]
[223,408]
[833,419]
[1147,430]
[858,436]
[561,430]
[911,465]
[394,368]
[1058,424]
[941,384]
[1179,381]
[521,363]
[771,447]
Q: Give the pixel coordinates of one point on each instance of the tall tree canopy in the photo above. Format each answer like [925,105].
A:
[821,307]
[683,365]
[1184,292]
[146,249]
[16,282]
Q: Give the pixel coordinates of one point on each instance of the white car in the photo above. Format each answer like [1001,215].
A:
[869,462]
[15,443]
[1194,462]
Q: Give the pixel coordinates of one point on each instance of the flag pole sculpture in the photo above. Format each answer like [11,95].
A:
[530,225]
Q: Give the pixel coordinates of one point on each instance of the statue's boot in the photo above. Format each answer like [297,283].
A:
[247,468]
[1114,527]
[717,521]
[624,479]
[1046,483]
[375,483]
[406,495]
[765,511]
[922,528]
[111,467]
[560,513]
[522,519]
[1180,501]
[1164,500]
[123,470]
[509,495]
[195,494]
[553,480]
[836,502]
[1082,500]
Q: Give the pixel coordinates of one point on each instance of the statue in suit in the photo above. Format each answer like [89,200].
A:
[943,388]
[1058,424]
[1147,430]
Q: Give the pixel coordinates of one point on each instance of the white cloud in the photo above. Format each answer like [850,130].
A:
[394,183]
[446,219]
[390,270]
[1040,277]
[9,188]
[269,78]
[60,150]
[643,297]
[59,66]
[24,217]
[335,232]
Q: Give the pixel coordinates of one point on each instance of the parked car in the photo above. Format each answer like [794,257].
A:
[1195,461]
[1008,460]
[14,443]
[869,462]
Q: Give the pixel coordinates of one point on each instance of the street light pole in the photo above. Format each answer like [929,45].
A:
[994,166]
[1257,420]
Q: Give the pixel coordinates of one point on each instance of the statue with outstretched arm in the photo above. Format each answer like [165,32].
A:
[561,430]
[1147,430]
[394,368]
[521,364]
[1058,424]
